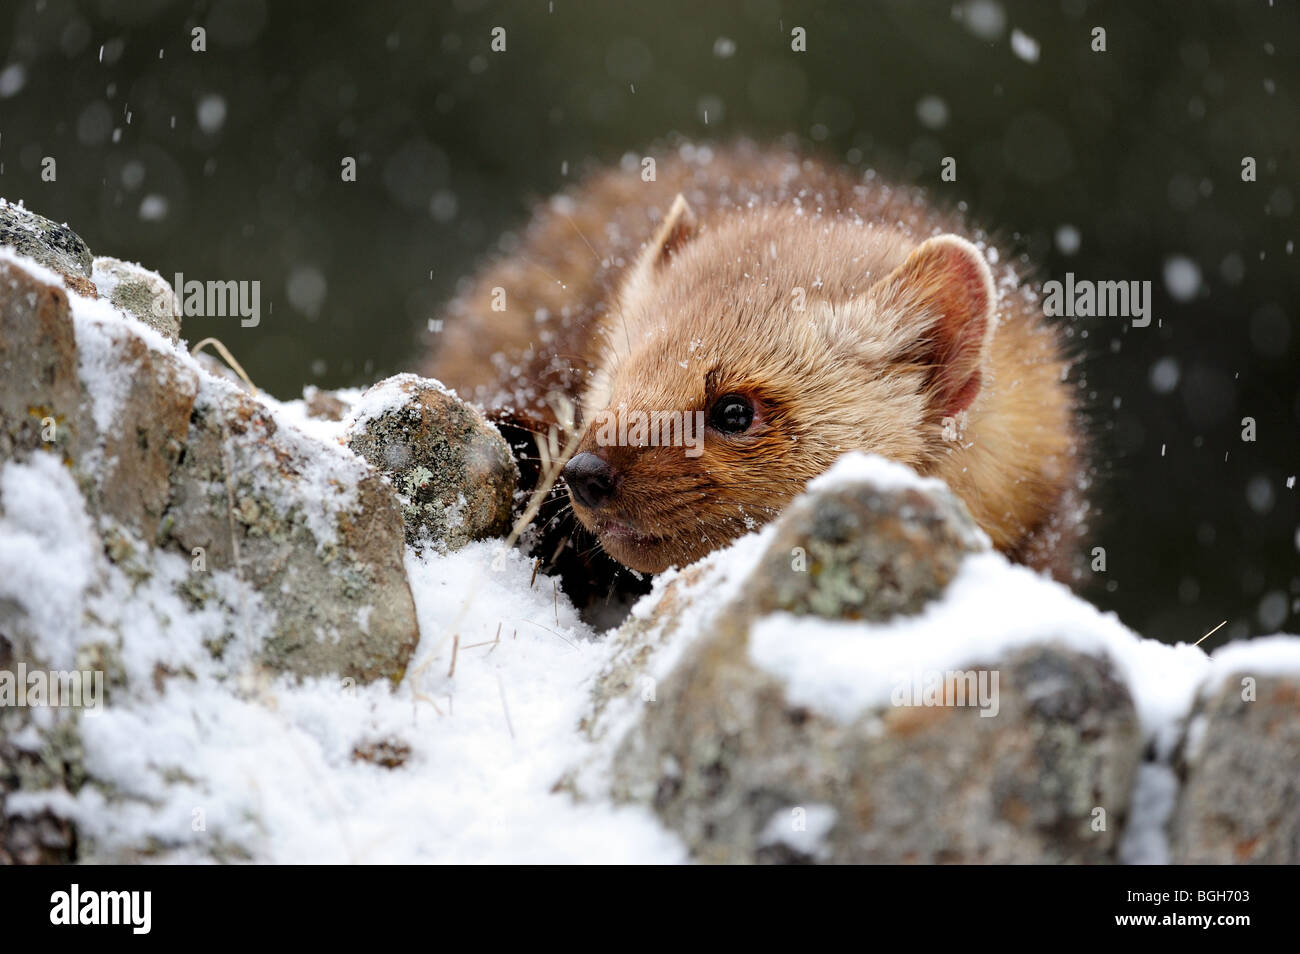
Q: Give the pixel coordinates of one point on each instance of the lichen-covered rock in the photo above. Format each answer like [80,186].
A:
[49,243]
[307,524]
[860,551]
[139,292]
[1240,796]
[454,472]
[1010,760]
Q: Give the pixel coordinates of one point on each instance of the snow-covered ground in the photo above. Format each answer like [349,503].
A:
[269,764]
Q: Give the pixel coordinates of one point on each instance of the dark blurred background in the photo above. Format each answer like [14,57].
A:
[1123,164]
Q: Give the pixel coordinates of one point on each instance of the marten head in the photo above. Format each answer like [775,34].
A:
[744,354]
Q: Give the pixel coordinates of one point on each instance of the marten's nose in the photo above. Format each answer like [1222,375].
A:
[590,480]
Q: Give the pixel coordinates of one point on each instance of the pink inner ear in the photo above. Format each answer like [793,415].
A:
[948,277]
[962,330]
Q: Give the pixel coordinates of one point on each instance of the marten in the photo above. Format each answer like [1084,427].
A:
[800,311]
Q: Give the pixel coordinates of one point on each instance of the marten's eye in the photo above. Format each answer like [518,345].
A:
[731,414]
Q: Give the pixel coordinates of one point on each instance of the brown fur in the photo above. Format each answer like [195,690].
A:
[617,306]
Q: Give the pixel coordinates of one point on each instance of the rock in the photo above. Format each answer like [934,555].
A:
[166,455]
[1240,797]
[158,526]
[454,472]
[745,769]
[865,552]
[55,246]
[91,391]
[308,525]
[139,292]
[40,393]
[847,550]
[143,425]
[724,758]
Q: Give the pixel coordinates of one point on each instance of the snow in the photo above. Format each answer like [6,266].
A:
[801,828]
[108,382]
[33,268]
[47,551]
[269,765]
[390,395]
[991,608]
[1182,278]
[1164,375]
[295,413]
[1155,793]
[984,18]
[1068,239]
[105,280]
[1024,46]
[153,207]
[1264,656]
[932,112]
[52,565]
[211,112]
[12,80]
[857,467]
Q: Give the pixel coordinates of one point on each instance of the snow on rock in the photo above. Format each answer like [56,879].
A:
[1268,656]
[880,472]
[387,397]
[763,680]
[1239,800]
[140,292]
[990,609]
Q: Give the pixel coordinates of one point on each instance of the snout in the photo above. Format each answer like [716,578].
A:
[591,480]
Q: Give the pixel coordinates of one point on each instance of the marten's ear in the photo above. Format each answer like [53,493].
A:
[947,278]
[676,230]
